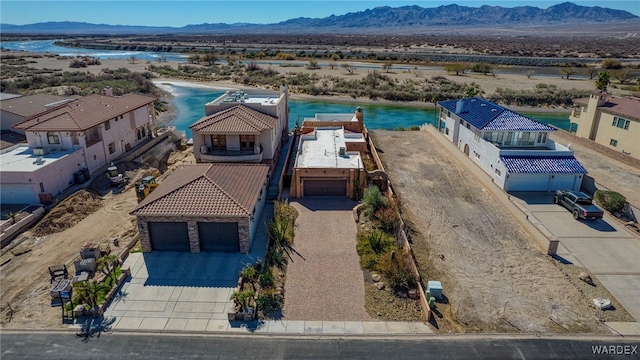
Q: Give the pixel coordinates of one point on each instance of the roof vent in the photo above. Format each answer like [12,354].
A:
[494,109]
[459,106]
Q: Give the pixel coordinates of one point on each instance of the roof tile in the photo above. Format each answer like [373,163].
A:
[543,165]
[207,190]
[238,119]
[485,115]
[84,113]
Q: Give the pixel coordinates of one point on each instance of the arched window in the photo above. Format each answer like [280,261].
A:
[139,136]
[53,138]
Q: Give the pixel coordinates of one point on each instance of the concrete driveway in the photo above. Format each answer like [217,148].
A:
[176,291]
[603,246]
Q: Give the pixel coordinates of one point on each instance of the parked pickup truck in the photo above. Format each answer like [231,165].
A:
[580,204]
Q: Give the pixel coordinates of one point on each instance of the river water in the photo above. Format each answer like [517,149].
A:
[190,104]
[190,100]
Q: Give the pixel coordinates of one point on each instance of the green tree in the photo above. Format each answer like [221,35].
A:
[471,91]
[603,80]
[90,292]
[12,215]
[107,265]
[568,71]
[623,75]
[313,64]
[386,67]
[456,67]
[349,68]
[193,58]
[209,58]
[591,71]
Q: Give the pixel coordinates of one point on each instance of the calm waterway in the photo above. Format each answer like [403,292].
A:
[190,103]
[190,100]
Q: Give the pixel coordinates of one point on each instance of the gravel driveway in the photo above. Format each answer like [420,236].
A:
[325,282]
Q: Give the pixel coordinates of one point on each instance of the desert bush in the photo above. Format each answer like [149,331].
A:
[266,279]
[269,302]
[611,64]
[610,200]
[371,244]
[77,63]
[373,200]
[387,219]
[396,270]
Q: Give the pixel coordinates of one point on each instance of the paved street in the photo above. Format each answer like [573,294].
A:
[192,346]
[604,247]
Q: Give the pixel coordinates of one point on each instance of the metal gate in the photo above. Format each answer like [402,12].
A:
[327,187]
[169,236]
[219,236]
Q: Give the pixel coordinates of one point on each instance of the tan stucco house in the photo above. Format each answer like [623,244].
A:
[609,120]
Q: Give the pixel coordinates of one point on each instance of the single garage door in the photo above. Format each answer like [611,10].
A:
[219,236]
[169,236]
[18,194]
[527,182]
[327,187]
[563,181]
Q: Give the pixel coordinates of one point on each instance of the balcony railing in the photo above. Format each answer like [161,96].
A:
[215,155]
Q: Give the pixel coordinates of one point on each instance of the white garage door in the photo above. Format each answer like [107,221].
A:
[563,181]
[527,182]
[18,194]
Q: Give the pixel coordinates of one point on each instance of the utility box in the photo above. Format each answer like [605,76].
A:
[434,288]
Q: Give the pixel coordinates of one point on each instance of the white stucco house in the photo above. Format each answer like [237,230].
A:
[78,135]
[514,150]
[242,126]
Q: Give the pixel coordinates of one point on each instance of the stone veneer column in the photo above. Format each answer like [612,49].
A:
[243,235]
[194,236]
[143,230]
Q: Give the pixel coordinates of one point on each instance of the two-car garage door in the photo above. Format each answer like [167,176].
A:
[543,182]
[174,236]
[328,187]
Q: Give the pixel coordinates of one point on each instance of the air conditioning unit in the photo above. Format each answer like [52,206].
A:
[40,151]
[343,151]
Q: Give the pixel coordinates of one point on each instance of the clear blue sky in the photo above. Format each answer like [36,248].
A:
[180,13]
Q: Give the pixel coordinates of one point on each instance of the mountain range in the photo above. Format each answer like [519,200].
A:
[405,17]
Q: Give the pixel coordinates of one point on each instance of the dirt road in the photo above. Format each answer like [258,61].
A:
[493,276]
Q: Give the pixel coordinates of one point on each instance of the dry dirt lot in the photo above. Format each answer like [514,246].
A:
[494,277]
[25,278]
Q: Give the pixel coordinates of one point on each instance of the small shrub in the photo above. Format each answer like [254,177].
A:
[370,245]
[387,219]
[266,279]
[611,64]
[610,200]
[396,271]
[269,302]
[373,200]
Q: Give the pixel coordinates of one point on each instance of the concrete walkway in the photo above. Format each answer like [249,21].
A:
[325,281]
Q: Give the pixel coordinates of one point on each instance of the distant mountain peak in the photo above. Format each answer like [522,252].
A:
[384,18]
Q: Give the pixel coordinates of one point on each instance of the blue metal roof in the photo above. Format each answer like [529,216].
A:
[485,115]
[543,165]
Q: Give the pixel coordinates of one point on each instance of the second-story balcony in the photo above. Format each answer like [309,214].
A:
[222,155]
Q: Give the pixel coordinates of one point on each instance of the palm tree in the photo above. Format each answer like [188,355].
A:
[90,292]
[107,264]
[603,80]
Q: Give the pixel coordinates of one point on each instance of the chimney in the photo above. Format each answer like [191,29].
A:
[459,106]
[108,91]
[360,117]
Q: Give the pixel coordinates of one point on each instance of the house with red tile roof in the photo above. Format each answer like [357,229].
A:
[70,136]
[204,207]
[242,126]
[513,149]
[609,120]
